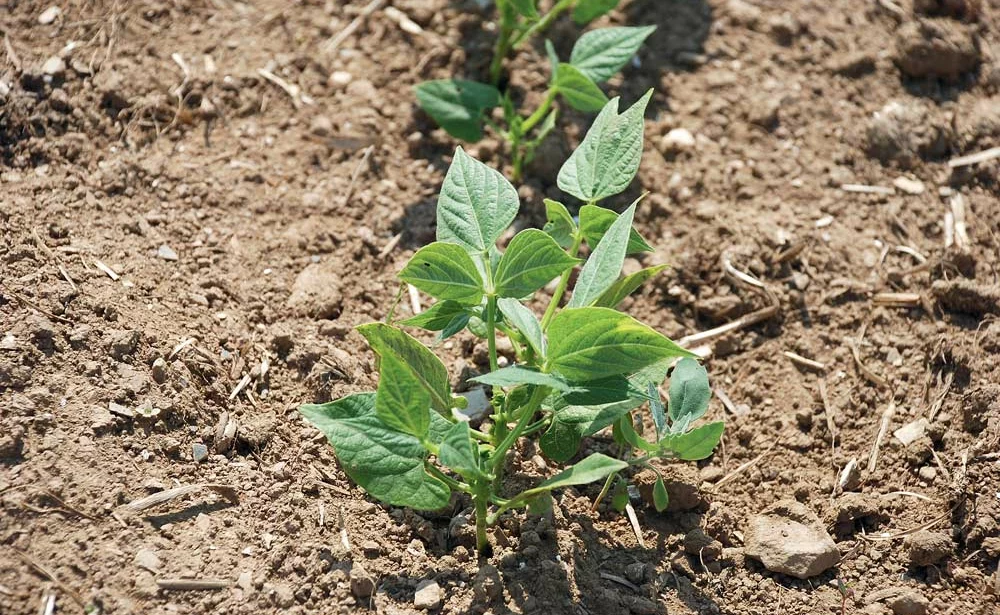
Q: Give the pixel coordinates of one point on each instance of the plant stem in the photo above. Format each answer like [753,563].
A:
[540,113]
[527,413]
[481,500]
[543,24]
[451,482]
[604,490]
[502,48]
[563,283]
[491,330]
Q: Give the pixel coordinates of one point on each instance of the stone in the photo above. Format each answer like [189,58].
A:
[316,292]
[788,537]
[636,572]
[362,583]
[166,253]
[428,596]
[699,544]
[49,15]
[676,141]
[245,582]
[927,473]
[927,548]
[321,126]
[487,586]
[743,13]
[912,431]
[199,452]
[937,48]
[124,344]
[908,186]
[478,404]
[147,558]
[160,370]
[909,602]
[339,79]
[54,66]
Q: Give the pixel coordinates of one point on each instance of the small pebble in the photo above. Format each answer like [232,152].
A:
[909,186]
[199,452]
[54,66]
[339,79]
[49,15]
[676,141]
[928,473]
[166,253]
[428,596]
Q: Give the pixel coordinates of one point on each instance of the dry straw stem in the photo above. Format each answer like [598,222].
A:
[901,300]
[192,584]
[942,393]
[729,477]
[634,520]
[866,189]
[803,361]
[956,227]
[983,156]
[163,497]
[335,41]
[869,375]
[882,429]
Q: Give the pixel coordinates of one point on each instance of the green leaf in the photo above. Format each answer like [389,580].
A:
[589,10]
[457,323]
[593,468]
[579,90]
[595,222]
[627,285]
[603,267]
[540,505]
[525,8]
[401,402]
[458,105]
[661,499]
[560,225]
[476,204]
[445,271]
[517,375]
[608,158]
[532,260]
[601,53]
[525,321]
[619,498]
[437,317]
[657,410]
[696,444]
[459,453]
[386,463]
[689,394]
[627,429]
[425,367]
[550,52]
[591,343]
[573,420]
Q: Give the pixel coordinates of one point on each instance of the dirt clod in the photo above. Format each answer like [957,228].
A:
[788,537]
[697,543]
[927,548]
[909,602]
[362,583]
[905,133]
[316,292]
[428,596]
[937,48]
[681,482]
[967,296]
[487,584]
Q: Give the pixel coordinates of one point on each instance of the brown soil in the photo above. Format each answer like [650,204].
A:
[118,152]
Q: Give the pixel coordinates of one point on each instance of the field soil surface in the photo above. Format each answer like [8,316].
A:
[199,200]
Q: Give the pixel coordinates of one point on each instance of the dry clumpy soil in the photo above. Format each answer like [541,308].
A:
[177,227]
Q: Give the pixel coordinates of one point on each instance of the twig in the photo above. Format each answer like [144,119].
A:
[48,575]
[882,429]
[939,398]
[887,536]
[634,520]
[912,494]
[619,580]
[799,359]
[165,496]
[871,376]
[338,38]
[12,56]
[728,477]
[983,156]
[904,300]
[831,426]
[293,91]
[36,307]
[961,232]
[865,189]
[107,270]
[192,584]
[48,252]
[357,172]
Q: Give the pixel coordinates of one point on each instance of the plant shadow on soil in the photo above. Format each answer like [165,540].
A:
[682,27]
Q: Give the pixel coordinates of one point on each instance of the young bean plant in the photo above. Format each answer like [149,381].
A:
[579,368]
[462,107]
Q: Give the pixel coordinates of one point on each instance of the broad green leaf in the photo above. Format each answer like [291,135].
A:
[593,468]
[386,463]
[592,343]
[627,285]
[401,402]
[525,7]
[608,158]
[476,204]
[428,370]
[437,317]
[696,444]
[540,505]
[601,53]
[458,105]
[619,498]
[458,452]
[516,375]
[579,90]
[627,429]
[532,260]
[525,321]
[560,224]
[603,267]
[661,499]
[595,222]
[445,271]
[589,10]
[457,323]
[657,410]
[571,422]
[689,394]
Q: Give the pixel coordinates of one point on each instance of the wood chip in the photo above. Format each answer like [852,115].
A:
[902,300]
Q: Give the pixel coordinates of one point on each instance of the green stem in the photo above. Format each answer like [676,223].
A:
[451,482]
[604,490]
[491,330]
[563,283]
[502,48]
[527,413]
[540,113]
[543,24]
[481,500]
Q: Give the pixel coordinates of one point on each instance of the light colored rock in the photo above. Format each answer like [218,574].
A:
[54,66]
[199,452]
[789,538]
[49,15]
[911,432]
[166,253]
[339,79]
[146,558]
[316,292]
[676,141]
[909,602]
[478,404]
[429,596]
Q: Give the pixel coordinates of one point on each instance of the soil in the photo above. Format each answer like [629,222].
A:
[183,238]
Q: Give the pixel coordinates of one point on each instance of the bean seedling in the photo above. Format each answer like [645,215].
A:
[578,369]
[462,107]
